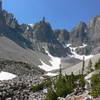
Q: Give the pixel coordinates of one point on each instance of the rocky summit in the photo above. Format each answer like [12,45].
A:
[40,36]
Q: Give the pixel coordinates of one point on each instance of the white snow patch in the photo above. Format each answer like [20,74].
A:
[6,76]
[55,63]
[66,45]
[45,91]
[27,28]
[75,55]
[32,25]
[83,46]
[85,30]
[80,57]
[51,74]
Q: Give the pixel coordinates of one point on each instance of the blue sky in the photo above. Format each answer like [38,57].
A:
[62,14]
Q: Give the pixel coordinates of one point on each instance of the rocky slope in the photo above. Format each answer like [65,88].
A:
[77,68]
[87,33]
[43,38]
[79,34]
[29,43]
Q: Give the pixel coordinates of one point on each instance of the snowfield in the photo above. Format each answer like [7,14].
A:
[80,57]
[77,56]
[51,74]
[83,46]
[55,63]
[6,76]
[31,25]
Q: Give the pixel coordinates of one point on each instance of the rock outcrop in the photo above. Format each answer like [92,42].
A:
[79,34]
[43,38]
[62,36]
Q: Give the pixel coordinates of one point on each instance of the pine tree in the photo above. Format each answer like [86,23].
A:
[60,87]
[51,95]
[97,65]
[95,89]
[70,84]
[81,81]
[83,65]
[60,71]
[90,66]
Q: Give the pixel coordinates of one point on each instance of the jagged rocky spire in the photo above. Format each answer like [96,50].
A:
[43,20]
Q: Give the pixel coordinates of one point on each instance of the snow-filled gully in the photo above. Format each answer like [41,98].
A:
[56,61]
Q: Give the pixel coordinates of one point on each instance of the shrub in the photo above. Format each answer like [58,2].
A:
[51,95]
[64,85]
[89,68]
[60,86]
[95,90]
[81,81]
[97,65]
[37,87]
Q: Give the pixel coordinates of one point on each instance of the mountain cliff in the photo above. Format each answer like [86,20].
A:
[43,38]
[89,34]
[39,38]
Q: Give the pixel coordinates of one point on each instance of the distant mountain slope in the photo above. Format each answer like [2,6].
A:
[76,69]
[9,50]
[44,38]
[31,42]
[87,33]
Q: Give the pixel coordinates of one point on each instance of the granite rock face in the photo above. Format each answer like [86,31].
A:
[62,36]
[94,30]
[87,33]
[79,34]
[19,88]
[43,38]
[10,28]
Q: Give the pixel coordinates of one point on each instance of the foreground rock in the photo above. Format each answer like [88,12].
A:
[20,89]
[79,96]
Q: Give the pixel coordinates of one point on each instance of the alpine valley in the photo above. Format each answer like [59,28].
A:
[31,52]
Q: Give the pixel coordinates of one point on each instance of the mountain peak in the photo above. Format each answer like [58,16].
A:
[97,16]
[82,23]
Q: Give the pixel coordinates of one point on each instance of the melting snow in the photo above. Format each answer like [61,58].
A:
[75,55]
[55,63]
[51,74]
[27,28]
[83,46]
[67,45]
[32,25]
[6,76]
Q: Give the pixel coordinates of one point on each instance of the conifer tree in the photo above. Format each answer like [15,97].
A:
[51,95]
[97,65]
[95,89]
[81,81]
[60,71]
[83,65]
[90,66]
